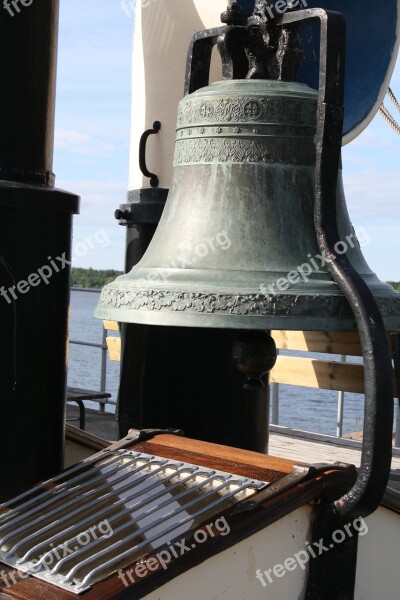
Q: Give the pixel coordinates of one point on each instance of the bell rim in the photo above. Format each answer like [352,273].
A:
[257,323]
[324,312]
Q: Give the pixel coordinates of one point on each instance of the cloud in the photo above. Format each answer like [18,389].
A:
[76,142]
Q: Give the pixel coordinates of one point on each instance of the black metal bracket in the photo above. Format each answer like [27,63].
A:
[154,181]
[143,207]
[249,49]
[332,549]
[367,492]
[299,474]
[198,62]
[369,488]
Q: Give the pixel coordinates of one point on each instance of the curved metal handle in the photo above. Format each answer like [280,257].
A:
[154,181]
[366,494]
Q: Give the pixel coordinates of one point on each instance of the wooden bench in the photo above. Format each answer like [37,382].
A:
[309,372]
[325,374]
[78,395]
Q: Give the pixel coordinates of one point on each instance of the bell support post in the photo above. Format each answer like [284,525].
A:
[35,253]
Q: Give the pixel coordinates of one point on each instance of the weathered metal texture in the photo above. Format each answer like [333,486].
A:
[35,250]
[238,224]
[333,568]
[367,492]
[372,49]
[141,215]
[148,401]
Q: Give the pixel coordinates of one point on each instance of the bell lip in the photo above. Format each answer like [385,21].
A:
[246,322]
[262,283]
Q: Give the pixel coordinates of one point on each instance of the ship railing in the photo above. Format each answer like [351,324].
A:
[275,403]
[103,362]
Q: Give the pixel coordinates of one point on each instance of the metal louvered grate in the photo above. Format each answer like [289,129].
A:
[109,512]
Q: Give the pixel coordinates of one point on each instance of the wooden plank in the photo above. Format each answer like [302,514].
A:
[302,446]
[197,450]
[114,348]
[336,342]
[327,375]
[111,325]
[327,342]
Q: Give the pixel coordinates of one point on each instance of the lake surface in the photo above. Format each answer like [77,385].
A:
[300,408]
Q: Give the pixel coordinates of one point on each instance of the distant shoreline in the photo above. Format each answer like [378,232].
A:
[92,279]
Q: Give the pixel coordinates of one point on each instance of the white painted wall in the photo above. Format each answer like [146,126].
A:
[231,575]
[378,558]
[163,31]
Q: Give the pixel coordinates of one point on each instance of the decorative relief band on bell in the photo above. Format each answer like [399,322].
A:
[224,304]
[256,305]
[239,150]
[202,111]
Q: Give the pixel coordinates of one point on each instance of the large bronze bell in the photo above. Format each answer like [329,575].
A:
[236,246]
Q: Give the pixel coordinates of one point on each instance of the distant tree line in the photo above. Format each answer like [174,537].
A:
[92,278]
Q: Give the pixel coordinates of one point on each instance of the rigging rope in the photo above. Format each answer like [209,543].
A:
[383,111]
[394,99]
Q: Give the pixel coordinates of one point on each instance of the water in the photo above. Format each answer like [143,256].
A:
[84,364]
[300,408]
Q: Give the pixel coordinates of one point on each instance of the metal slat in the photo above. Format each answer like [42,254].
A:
[67,504]
[140,517]
[135,497]
[89,577]
[103,512]
[53,495]
[82,465]
[127,512]
[94,502]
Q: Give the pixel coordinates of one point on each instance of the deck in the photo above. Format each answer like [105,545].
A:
[287,443]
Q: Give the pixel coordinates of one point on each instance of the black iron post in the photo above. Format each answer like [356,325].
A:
[35,251]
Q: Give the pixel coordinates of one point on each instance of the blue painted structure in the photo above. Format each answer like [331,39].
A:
[372,45]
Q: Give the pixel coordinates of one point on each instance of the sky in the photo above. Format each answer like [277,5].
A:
[92,142]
